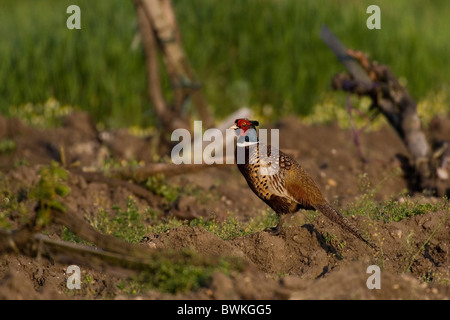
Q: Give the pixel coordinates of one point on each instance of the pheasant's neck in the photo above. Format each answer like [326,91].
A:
[243,144]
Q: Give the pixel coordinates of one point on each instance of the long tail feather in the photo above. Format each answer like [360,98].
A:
[335,216]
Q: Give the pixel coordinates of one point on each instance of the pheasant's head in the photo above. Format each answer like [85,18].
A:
[246,131]
[241,126]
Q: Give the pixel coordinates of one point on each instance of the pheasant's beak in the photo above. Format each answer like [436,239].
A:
[233,127]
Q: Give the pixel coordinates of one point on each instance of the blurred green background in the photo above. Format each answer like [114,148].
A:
[264,54]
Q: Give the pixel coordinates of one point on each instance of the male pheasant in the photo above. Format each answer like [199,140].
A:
[278,180]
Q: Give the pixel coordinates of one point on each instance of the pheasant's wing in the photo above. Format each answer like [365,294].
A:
[273,169]
[285,178]
[300,186]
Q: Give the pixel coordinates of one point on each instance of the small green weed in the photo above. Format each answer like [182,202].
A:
[128,224]
[7,146]
[68,235]
[49,190]
[334,241]
[176,277]
[231,227]
[165,225]
[158,186]
[111,163]
[395,209]
[12,204]
[170,192]
[41,115]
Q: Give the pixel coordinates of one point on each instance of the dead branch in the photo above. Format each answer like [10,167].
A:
[112,182]
[159,32]
[168,118]
[377,81]
[355,132]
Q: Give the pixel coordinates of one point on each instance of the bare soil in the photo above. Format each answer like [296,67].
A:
[297,264]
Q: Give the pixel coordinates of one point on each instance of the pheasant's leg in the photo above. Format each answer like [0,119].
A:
[277,229]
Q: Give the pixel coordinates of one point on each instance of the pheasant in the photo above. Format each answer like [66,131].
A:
[278,180]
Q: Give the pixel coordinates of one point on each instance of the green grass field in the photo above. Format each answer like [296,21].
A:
[256,53]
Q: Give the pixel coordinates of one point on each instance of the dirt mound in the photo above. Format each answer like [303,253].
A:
[300,264]
[304,251]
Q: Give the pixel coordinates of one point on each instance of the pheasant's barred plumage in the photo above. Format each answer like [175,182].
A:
[284,185]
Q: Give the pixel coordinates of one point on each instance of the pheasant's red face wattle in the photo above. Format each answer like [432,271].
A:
[244,125]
